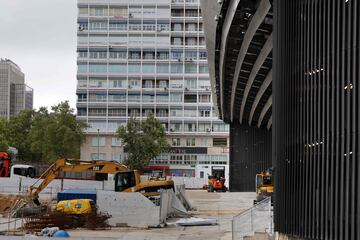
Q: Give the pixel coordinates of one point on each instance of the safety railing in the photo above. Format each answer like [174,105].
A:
[258,218]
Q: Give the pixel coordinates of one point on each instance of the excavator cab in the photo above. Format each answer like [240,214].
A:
[264,186]
[125,180]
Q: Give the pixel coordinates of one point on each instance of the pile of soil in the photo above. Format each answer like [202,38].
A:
[7,202]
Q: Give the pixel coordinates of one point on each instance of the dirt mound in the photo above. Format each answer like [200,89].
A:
[7,202]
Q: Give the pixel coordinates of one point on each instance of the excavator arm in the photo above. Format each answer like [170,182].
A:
[71,165]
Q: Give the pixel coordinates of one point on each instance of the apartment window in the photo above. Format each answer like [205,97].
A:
[177,13]
[98,141]
[97,112]
[117,157]
[118,55]
[176,159]
[83,11]
[191,27]
[134,83]
[175,142]
[177,55]
[148,68]
[203,69]
[135,55]
[98,11]
[82,97]
[148,98]
[176,113]
[176,27]
[117,68]
[117,97]
[97,83]
[134,27]
[191,41]
[176,97]
[190,127]
[162,98]
[163,84]
[82,54]
[134,112]
[176,127]
[201,174]
[189,113]
[134,68]
[204,127]
[162,55]
[204,113]
[190,55]
[116,142]
[163,27]
[190,68]
[219,142]
[191,13]
[117,83]
[146,112]
[162,113]
[148,84]
[203,55]
[190,83]
[98,26]
[162,68]
[202,41]
[176,40]
[190,142]
[149,55]
[204,142]
[118,26]
[83,26]
[118,12]
[81,111]
[102,55]
[220,127]
[117,112]
[149,27]
[134,97]
[190,98]
[177,68]
[98,156]
[204,98]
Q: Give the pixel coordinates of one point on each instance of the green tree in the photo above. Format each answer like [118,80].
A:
[18,133]
[57,134]
[142,141]
[4,134]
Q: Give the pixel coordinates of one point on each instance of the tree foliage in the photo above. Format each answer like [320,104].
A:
[42,135]
[142,141]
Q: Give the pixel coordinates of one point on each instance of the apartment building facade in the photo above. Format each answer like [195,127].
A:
[14,93]
[148,56]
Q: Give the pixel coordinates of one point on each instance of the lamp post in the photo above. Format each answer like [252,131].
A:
[98,145]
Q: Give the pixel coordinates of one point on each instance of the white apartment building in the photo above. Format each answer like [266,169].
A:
[142,56]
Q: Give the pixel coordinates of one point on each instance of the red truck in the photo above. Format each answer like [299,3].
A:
[5,160]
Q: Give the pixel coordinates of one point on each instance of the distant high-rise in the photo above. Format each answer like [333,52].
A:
[149,56]
[14,94]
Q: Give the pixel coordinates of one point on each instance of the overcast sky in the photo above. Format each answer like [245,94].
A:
[40,36]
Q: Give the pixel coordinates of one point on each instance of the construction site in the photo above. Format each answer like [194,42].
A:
[127,205]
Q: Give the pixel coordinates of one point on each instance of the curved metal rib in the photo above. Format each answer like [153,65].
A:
[257,65]
[255,22]
[260,93]
[264,110]
[269,123]
[224,40]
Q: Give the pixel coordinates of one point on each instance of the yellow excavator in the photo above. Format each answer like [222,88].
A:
[125,180]
[264,185]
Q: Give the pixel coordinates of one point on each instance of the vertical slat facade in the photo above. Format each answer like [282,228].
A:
[316,118]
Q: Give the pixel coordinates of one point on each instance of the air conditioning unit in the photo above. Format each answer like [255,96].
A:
[130,15]
[190,59]
[207,88]
[165,88]
[130,86]
[186,59]
[186,89]
[179,59]
[81,28]
[171,129]
[208,129]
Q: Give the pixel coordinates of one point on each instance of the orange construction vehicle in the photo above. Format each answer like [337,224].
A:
[264,185]
[5,161]
[216,181]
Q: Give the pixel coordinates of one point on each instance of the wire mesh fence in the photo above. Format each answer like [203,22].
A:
[257,218]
